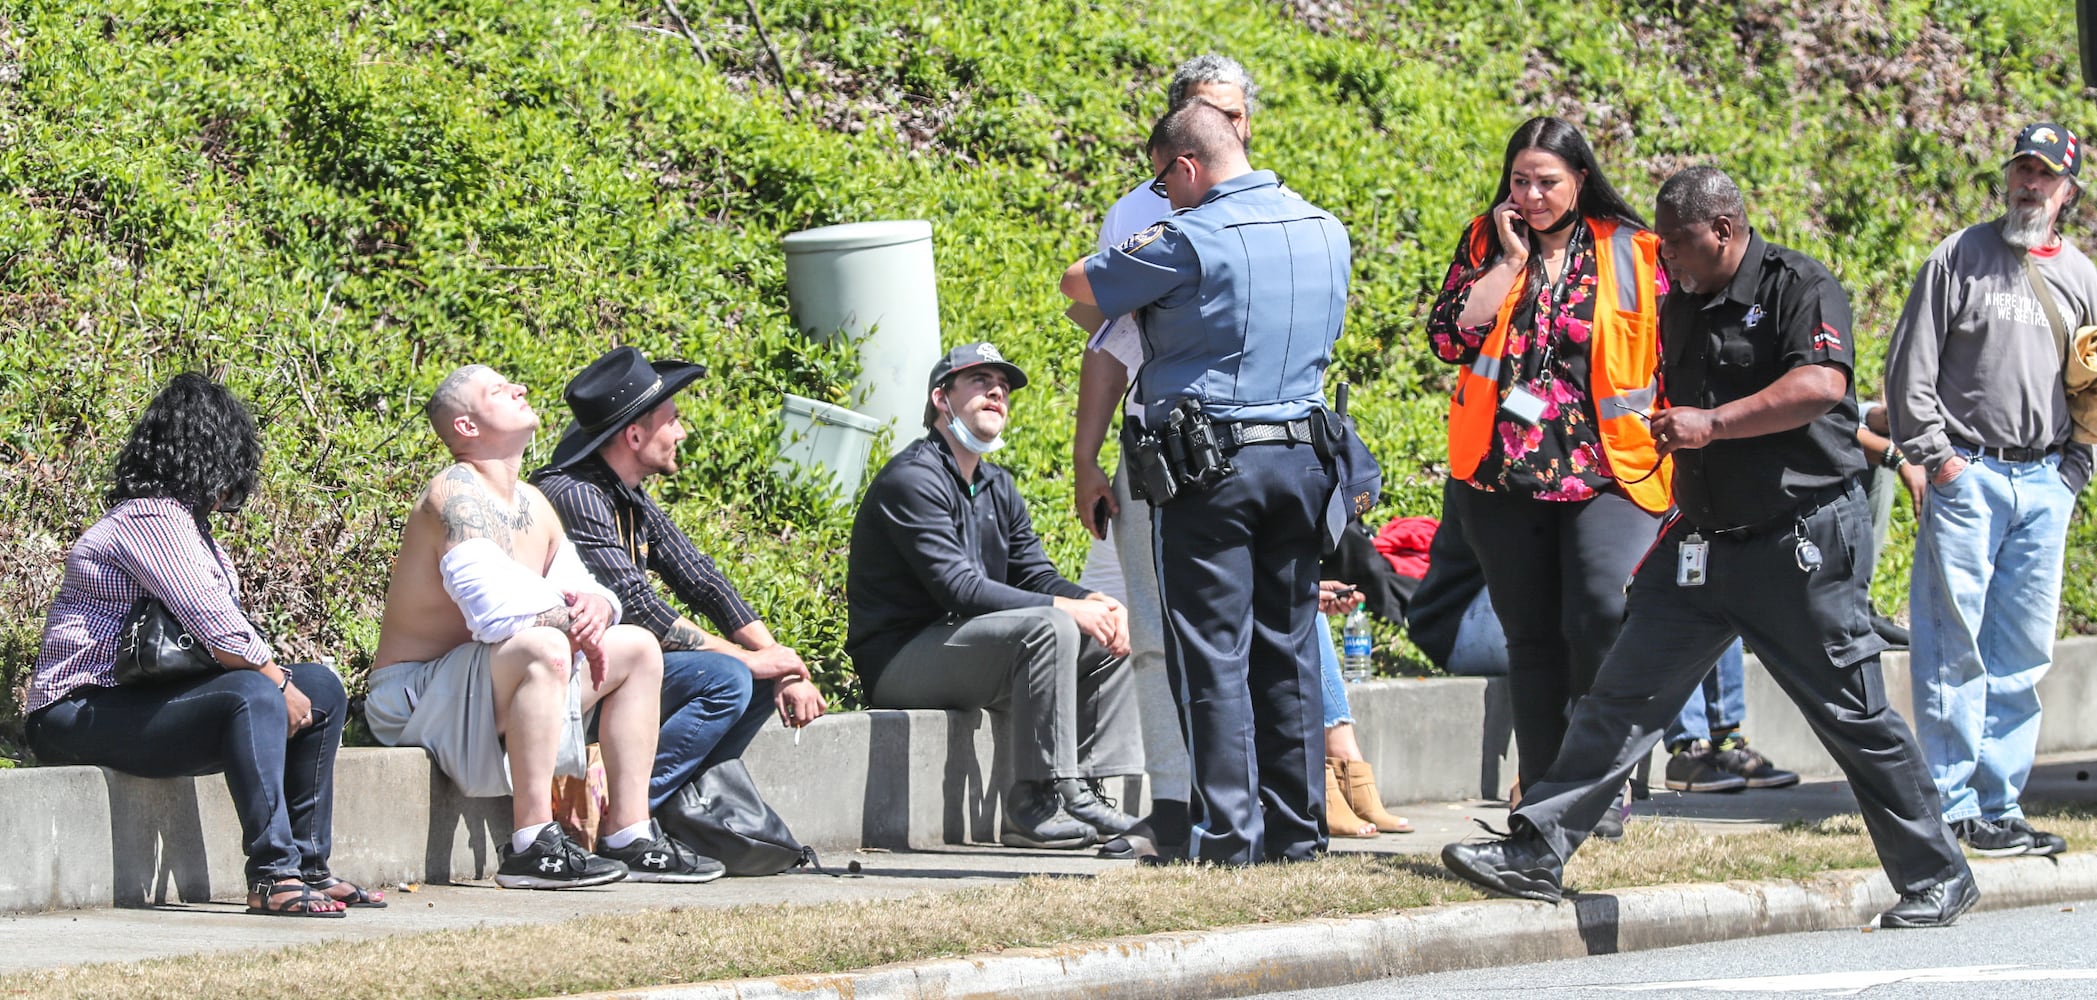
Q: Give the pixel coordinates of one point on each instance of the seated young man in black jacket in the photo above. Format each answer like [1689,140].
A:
[954,605]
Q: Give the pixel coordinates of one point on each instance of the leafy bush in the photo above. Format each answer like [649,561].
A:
[331,203]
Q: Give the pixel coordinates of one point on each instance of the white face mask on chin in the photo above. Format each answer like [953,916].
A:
[970,441]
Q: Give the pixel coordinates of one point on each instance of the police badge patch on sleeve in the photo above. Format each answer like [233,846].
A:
[1142,239]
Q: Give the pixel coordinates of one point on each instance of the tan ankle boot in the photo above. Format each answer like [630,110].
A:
[1341,821]
[1358,780]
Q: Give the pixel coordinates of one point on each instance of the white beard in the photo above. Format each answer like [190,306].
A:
[2027,226]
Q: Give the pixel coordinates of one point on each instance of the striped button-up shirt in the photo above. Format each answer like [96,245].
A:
[142,546]
[620,533]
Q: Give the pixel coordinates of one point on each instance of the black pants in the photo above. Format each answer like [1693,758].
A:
[1238,571]
[1556,572]
[1811,630]
[283,790]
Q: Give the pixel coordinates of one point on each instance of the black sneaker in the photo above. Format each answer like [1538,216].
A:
[2043,844]
[554,862]
[1518,865]
[1990,841]
[1736,757]
[1694,768]
[1936,906]
[1034,818]
[663,858]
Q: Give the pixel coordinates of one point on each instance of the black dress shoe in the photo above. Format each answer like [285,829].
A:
[1519,865]
[1936,906]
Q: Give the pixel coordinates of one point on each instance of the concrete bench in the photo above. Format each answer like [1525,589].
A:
[86,837]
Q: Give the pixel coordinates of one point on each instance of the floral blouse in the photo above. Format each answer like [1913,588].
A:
[1560,457]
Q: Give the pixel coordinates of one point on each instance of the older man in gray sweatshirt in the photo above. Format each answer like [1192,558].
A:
[1973,383]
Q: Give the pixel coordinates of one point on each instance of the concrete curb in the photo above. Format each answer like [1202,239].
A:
[1324,953]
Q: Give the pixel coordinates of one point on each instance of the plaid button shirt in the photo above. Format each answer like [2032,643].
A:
[620,533]
[147,545]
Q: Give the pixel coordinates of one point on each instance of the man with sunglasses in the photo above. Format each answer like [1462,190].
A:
[1119,563]
[1240,295]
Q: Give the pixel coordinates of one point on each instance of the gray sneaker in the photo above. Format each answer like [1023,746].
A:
[2043,844]
[1034,818]
[1086,801]
[552,861]
[662,858]
[1990,841]
[1695,768]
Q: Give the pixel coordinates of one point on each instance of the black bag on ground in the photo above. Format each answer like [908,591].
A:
[721,815]
[154,648]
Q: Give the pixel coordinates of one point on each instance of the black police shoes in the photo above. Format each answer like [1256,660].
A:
[1034,817]
[1936,906]
[1518,865]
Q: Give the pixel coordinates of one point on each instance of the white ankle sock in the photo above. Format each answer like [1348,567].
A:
[523,836]
[645,828]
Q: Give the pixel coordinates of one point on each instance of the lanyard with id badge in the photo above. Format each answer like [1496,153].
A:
[1523,403]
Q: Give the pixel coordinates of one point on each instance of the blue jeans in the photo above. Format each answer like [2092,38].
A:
[1718,704]
[1984,598]
[283,790]
[712,709]
[1336,708]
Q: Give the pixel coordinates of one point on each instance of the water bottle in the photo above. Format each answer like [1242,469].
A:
[1355,643]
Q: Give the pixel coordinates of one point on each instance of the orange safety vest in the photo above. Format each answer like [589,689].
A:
[1623,357]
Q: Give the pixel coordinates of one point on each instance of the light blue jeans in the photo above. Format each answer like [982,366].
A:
[1336,709]
[1984,599]
[1720,703]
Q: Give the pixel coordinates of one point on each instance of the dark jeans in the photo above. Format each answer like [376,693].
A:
[1556,571]
[712,709]
[284,790]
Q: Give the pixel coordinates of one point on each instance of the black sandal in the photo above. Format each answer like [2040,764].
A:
[299,905]
[358,896]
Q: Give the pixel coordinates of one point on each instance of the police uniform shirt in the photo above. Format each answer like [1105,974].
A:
[1781,310]
[1274,287]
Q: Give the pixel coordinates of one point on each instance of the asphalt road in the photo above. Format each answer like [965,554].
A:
[2032,954]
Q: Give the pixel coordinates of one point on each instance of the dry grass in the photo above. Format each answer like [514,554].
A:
[688,945]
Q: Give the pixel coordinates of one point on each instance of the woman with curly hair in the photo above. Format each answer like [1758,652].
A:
[272,729]
[1551,307]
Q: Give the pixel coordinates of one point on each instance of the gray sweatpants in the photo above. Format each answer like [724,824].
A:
[1070,707]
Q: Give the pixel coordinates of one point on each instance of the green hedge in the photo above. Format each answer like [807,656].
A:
[332,203]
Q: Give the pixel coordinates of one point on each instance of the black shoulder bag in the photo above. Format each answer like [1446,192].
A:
[154,648]
[721,815]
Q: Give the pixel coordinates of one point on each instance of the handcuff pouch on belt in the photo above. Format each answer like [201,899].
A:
[1184,456]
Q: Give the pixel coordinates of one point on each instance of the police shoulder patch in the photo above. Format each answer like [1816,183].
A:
[1142,239]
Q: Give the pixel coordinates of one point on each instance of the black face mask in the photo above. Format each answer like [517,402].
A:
[1571,216]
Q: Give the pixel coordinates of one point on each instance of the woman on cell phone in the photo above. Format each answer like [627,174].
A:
[272,729]
[1552,309]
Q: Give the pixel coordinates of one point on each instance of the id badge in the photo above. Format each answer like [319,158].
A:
[1690,561]
[1523,405]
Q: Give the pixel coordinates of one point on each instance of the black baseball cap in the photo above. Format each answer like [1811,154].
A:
[973,355]
[2053,144]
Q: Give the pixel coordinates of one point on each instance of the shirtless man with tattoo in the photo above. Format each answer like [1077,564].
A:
[496,642]
[718,688]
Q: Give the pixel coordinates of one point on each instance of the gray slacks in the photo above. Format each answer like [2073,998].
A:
[1813,633]
[1071,711]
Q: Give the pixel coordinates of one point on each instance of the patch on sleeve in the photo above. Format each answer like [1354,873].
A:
[1827,338]
[1142,239]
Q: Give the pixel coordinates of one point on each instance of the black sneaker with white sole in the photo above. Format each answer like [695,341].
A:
[2043,844]
[662,858]
[1989,840]
[552,861]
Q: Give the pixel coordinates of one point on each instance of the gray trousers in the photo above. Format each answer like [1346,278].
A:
[1811,631]
[1071,712]
[1123,567]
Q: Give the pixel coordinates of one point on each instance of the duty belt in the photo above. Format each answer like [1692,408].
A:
[1805,508]
[1238,435]
[2006,454]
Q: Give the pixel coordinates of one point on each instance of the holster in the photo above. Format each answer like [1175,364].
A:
[1184,456]
[1150,476]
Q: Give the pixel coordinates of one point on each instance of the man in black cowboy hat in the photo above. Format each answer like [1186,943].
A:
[955,606]
[718,687]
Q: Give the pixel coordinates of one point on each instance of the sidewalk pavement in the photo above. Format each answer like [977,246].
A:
[1289,956]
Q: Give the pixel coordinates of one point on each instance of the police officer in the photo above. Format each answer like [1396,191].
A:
[1241,292]
[1755,365]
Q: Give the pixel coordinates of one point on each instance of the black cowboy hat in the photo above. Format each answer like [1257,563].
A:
[614,391]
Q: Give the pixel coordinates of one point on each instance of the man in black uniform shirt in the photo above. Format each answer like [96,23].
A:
[1755,365]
